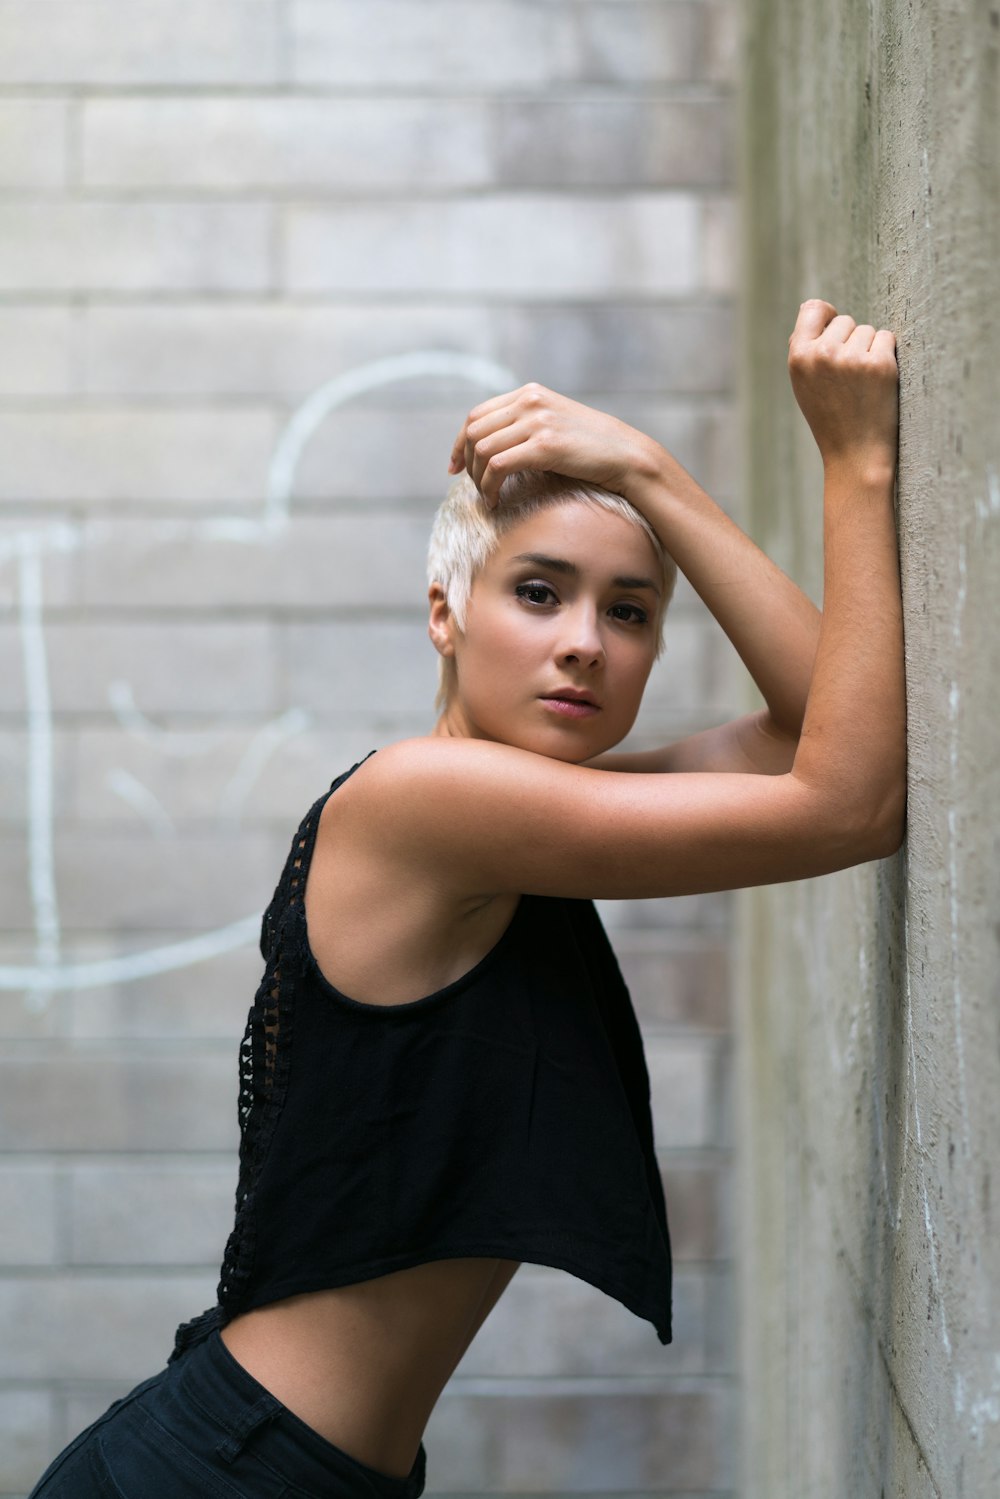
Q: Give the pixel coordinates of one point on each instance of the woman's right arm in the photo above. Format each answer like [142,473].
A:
[846,382]
[488,818]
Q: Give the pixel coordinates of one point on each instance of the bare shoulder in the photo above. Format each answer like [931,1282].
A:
[442,766]
[414,784]
[436,805]
[392,912]
[428,803]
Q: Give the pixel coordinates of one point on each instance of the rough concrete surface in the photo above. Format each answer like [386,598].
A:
[871,1064]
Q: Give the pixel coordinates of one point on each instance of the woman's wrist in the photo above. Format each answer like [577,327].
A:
[656,483]
[863,471]
[649,462]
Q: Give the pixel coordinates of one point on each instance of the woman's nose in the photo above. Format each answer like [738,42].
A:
[581,642]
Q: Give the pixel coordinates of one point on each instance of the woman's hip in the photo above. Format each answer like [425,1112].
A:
[205,1428]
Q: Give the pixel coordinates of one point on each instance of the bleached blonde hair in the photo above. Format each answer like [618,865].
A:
[466,532]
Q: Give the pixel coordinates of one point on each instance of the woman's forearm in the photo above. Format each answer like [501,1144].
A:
[853,742]
[770,621]
[852,751]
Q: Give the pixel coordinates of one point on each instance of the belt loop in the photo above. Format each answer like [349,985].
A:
[190,1334]
[263,1409]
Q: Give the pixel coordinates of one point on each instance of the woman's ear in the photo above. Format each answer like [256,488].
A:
[441,626]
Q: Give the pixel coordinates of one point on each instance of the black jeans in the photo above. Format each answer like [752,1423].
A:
[205,1429]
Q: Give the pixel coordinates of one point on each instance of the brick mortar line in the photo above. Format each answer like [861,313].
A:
[695,90]
[366,301]
[274,403]
[274,195]
[345,298]
[681,1382]
[83,1049]
[690,1157]
[69,1274]
[717,1271]
[711,1045]
[143,1159]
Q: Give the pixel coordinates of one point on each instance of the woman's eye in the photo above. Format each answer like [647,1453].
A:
[535,593]
[629,613]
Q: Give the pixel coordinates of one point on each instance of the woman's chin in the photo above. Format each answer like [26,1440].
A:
[571,749]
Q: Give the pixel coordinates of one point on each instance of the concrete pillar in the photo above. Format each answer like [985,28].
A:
[871,1063]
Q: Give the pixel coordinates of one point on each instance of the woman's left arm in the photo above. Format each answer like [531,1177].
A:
[769,620]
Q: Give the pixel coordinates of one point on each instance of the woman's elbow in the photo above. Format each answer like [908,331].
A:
[848,828]
[889,828]
[876,830]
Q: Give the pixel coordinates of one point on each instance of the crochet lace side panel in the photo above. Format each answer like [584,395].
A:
[265,1054]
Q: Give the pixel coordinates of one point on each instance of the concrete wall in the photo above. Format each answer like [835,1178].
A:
[206,211]
[871,1082]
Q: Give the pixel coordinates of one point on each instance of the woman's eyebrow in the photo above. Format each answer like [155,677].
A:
[551,564]
[562,565]
[625,582]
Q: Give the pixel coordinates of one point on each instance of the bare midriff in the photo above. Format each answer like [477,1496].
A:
[364,1364]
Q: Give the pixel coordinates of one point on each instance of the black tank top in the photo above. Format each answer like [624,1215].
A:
[505,1115]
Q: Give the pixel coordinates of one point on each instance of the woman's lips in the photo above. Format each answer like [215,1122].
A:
[568,707]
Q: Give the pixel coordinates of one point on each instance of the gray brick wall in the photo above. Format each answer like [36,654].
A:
[207,211]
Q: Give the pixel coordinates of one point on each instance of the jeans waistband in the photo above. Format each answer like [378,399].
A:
[208,1376]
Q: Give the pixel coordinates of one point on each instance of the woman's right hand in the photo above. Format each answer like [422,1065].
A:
[846,380]
[536,428]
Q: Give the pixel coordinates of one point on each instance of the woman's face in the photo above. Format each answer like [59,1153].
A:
[560,635]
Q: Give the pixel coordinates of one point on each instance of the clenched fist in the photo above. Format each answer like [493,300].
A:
[846,381]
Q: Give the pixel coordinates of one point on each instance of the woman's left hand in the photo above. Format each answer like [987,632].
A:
[535,428]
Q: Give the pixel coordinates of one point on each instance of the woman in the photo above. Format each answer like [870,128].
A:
[442,1075]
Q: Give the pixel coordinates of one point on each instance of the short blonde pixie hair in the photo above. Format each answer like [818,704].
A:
[466,532]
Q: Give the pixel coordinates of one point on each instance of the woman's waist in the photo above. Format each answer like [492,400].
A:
[364,1364]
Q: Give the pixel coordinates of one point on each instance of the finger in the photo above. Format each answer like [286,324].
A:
[491,421]
[813,318]
[839,329]
[862,337]
[456,462]
[884,345]
[457,459]
[499,415]
[486,448]
[510,461]
[527,397]
[500,420]
[483,426]
[506,398]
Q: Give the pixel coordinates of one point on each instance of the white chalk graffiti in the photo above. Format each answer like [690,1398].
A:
[27,549]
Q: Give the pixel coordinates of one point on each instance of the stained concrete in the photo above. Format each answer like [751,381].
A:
[871,1064]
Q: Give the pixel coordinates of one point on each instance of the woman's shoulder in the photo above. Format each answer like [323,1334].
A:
[476,817]
[435,767]
[396,794]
